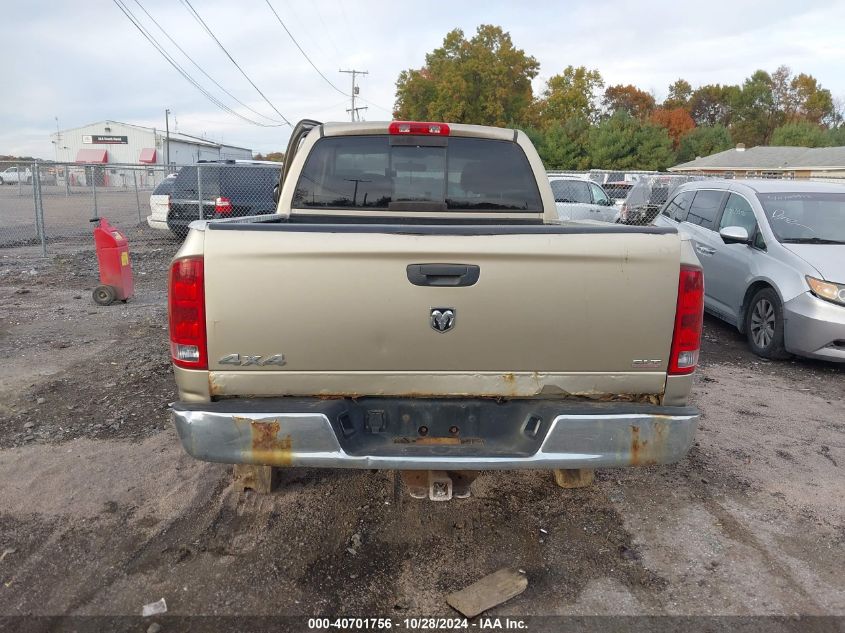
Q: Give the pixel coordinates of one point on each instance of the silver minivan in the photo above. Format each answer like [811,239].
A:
[773,254]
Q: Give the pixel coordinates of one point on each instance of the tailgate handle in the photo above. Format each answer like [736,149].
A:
[454,275]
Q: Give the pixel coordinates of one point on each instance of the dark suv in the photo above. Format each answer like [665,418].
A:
[228,189]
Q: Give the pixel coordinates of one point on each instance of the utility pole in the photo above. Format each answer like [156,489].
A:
[167,141]
[58,138]
[353,111]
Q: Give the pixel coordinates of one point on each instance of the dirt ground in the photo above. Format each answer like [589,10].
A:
[102,512]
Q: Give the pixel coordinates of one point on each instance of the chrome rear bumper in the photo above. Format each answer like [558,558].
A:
[385,433]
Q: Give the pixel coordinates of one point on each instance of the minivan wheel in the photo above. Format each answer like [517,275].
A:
[764,325]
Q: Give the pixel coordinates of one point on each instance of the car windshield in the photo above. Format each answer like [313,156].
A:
[812,218]
[571,191]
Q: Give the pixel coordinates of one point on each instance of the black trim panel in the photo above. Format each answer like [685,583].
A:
[445,229]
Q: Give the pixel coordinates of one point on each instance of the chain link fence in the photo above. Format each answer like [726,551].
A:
[42,204]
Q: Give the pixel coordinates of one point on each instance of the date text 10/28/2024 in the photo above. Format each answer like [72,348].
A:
[418,624]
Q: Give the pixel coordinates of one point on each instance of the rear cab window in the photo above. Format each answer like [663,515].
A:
[381,172]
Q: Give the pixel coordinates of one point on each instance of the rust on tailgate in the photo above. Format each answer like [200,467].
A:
[266,447]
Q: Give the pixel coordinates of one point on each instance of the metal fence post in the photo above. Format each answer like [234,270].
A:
[94,189]
[199,190]
[137,199]
[20,179]
[39,207]
[67,180]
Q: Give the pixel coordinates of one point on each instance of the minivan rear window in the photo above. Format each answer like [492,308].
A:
[464,174]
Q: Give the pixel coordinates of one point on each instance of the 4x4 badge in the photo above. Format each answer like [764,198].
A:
[246,360]
[442,319]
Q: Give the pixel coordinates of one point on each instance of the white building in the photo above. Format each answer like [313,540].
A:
[104,150]
[112,142]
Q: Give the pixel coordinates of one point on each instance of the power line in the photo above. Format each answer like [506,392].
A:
[200,68]
[197,17]
[304,54]
[148,36]
[388,110]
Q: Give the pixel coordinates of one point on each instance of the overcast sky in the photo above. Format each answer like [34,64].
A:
[84,61]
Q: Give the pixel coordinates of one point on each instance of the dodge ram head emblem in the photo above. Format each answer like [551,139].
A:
[442,319]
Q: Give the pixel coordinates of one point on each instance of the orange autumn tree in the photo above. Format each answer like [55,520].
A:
[677,122]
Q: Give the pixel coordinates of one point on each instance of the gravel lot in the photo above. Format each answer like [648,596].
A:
[102,512]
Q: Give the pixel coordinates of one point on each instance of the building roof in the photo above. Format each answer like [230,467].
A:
[769,159]
[174,136]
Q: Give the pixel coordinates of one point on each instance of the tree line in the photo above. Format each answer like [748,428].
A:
[578,122]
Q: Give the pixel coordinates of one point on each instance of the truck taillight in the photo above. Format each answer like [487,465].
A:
[686,339]
[222,206]
[418,127]
[186,307]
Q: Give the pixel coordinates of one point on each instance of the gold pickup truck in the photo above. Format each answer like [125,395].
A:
[416,304]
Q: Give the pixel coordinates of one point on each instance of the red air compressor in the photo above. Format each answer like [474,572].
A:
[115,269]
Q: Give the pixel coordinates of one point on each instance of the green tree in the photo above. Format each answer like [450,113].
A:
[711,104]
[638,103]
[813,102]
[571,94]
[564,145]
[484,80]
[703,141]
[679,95]
[836,136]
[801,133]
[623,142]
[756,111]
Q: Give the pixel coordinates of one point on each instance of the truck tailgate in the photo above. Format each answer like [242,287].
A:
[555,311]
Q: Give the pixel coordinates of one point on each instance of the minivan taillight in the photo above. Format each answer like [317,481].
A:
[186,307]
[222,206]
[418,127]
[686,340]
